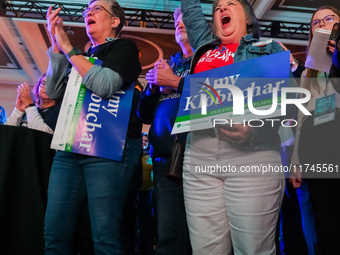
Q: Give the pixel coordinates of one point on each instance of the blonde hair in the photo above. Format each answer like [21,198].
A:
[177,12]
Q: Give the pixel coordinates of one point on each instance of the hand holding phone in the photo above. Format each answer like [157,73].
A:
[227,126]
[332,38]
[223,123]
[334,32]
[218,125]
[219,135]
[231,132]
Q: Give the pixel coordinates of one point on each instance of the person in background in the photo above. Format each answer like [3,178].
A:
[158,107]
[130,208]
[74,177]
[36,111]
[290,222]
[145,202]
[318,143]
[292,239]
[334,73]
[230,213]
[3,116]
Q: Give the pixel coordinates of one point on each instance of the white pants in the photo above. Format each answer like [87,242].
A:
[231,212]
[236,212]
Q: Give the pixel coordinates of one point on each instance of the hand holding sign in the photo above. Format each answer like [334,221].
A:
[239,134]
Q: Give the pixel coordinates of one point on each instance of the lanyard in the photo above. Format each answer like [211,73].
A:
[327,80]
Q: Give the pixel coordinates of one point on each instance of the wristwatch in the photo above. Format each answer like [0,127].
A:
[30,105]
[293,63]
[74,51]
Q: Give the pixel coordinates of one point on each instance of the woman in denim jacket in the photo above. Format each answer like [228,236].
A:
[230,212]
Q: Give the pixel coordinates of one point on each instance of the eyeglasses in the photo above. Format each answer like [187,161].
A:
[94,9]
[317,22]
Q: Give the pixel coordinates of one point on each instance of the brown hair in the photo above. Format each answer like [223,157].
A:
[37,98]
[311,73]
[252,23]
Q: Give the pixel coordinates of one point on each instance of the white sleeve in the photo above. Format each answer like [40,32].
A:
[15,118]
[35,121]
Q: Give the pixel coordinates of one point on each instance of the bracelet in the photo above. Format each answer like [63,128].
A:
[29,105]
[293,63]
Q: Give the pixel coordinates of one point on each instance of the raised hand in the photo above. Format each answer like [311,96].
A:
[63,41]
[331,46]
[24,97]
[53,20]
[59,38]
[25,94]
[18,103]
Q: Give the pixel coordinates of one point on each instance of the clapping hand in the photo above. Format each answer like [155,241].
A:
[162,75]
[24,97]
[59,38]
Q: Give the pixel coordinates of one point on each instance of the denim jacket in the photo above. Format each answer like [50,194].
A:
[202,39]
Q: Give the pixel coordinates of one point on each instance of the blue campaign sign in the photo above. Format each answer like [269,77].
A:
[215,91]
[91,125]
[103,124]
